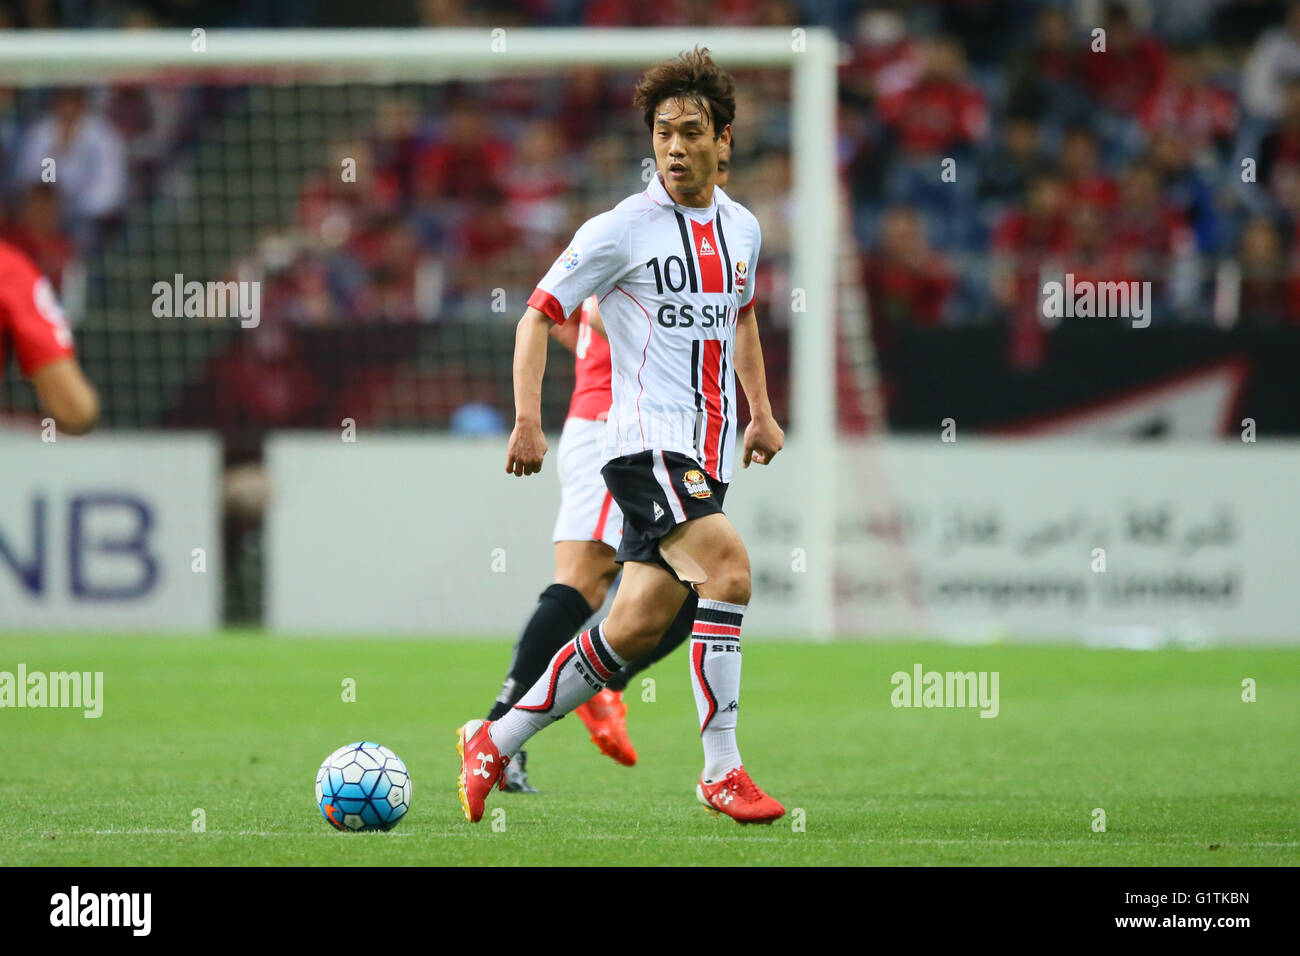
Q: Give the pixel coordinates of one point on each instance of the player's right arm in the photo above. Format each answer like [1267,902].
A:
[43,344]
[527,443]
[67,395]
[594,260]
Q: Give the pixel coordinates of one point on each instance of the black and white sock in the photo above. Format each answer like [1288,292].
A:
[715,678]
[576,673]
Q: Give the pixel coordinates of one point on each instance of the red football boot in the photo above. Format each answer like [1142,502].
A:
[738,797]
[481,767]
[605,716]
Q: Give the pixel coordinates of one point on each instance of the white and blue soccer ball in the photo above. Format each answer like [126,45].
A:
[363,786]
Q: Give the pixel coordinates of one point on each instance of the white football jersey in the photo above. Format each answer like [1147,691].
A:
[671,281]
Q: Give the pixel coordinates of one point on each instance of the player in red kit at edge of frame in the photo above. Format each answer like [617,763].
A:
[33,324]
[587,533]
[673,268]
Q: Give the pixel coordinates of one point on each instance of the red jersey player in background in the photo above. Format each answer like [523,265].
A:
[32,324]
[587,533]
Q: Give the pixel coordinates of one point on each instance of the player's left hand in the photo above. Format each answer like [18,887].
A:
[763,439]
[526,450]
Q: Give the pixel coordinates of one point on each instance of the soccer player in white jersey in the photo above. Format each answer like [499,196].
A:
[673,268]
[588,529]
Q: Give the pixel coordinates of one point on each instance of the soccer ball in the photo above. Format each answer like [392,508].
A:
[363,786]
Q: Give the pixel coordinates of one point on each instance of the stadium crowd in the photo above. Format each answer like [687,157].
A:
[983,146]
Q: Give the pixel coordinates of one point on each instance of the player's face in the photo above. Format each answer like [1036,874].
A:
[686,151]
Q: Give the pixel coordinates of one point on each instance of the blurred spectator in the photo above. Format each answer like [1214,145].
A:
[1274,60]
[1185,188]
[394,141]
[90,163]
[391,255]
[263,382]
[335,205]
[477,418]
[536,183]
[1018,157]
[488,235]
[1187,104]
[884,59]
[1094,255]
[1154,238]
[1131,68]
[1041,79]
[1145,225]
[466,162]
[936,123]
[152,121]
[1280,147]
[1026,243]
[35,229]
[907,282]
[942,111]
[1268,288]
[1039,229]
[587,92]
[1086,183]
[311,301]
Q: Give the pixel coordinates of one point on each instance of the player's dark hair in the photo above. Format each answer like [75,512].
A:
[693,77]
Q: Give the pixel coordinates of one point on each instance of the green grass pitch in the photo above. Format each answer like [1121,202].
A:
[1186,772]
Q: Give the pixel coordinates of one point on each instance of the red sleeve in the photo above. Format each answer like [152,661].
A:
[545,302]
[36,322]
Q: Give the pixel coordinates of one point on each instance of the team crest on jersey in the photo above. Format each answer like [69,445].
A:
[695,484]
[570,258]
[741,276]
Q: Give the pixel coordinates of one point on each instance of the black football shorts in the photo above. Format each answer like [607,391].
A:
[657,491]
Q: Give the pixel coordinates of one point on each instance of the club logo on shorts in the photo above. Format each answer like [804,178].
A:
[570,258]
[695,484]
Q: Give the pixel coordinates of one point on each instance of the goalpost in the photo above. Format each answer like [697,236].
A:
[56,58]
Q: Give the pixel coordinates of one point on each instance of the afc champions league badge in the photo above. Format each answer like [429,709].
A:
[570,258]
